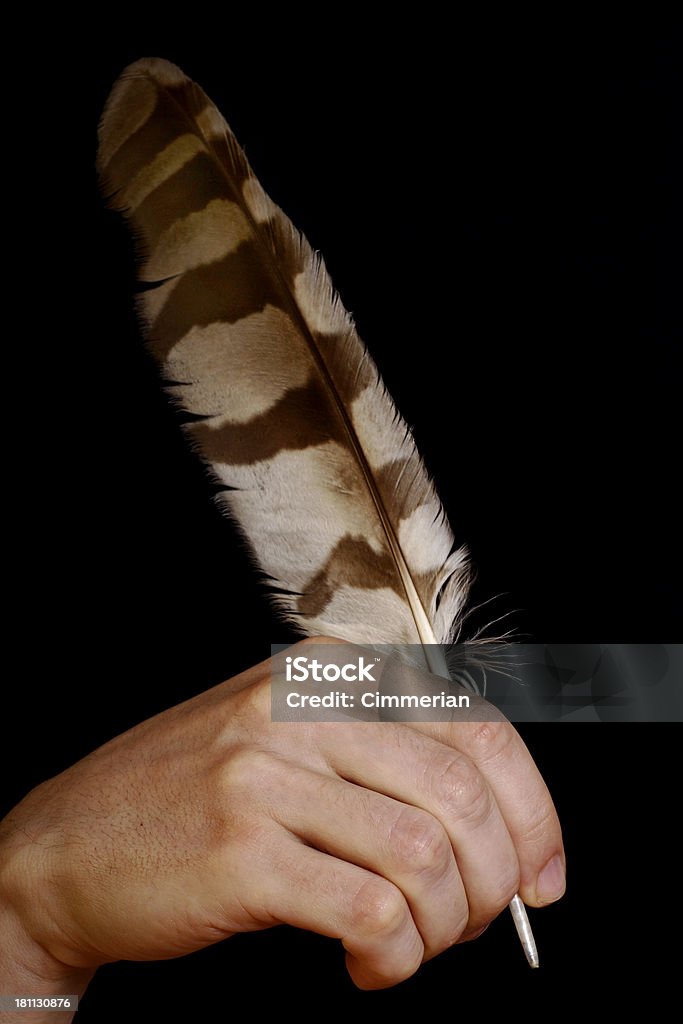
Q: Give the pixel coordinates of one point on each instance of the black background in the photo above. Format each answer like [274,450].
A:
[499,215]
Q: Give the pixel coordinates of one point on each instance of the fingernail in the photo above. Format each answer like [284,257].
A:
[551,881]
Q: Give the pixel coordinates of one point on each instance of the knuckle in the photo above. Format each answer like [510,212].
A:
[378,908]
[247,768]
[419,843]
[463,793]
[490,739]
[249,707]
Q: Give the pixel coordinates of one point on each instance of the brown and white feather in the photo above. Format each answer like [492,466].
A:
[322,473]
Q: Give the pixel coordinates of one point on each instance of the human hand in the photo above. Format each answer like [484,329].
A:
[210,819]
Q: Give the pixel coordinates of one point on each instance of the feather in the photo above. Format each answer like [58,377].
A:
[318,468]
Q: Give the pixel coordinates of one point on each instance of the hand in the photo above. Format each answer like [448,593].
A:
[211,819]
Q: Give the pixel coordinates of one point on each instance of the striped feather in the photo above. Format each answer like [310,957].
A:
[322,473]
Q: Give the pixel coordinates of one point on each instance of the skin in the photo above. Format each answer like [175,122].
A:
[210,819]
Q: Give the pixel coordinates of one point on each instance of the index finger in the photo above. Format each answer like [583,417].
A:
[483,734]
[502,757]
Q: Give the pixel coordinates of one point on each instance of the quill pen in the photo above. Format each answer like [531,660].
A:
[320,472]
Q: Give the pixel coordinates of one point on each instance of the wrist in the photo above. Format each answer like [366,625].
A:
[27,967]
[29,970]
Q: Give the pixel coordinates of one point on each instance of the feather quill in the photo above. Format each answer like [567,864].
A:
[319,470]
[321,473]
